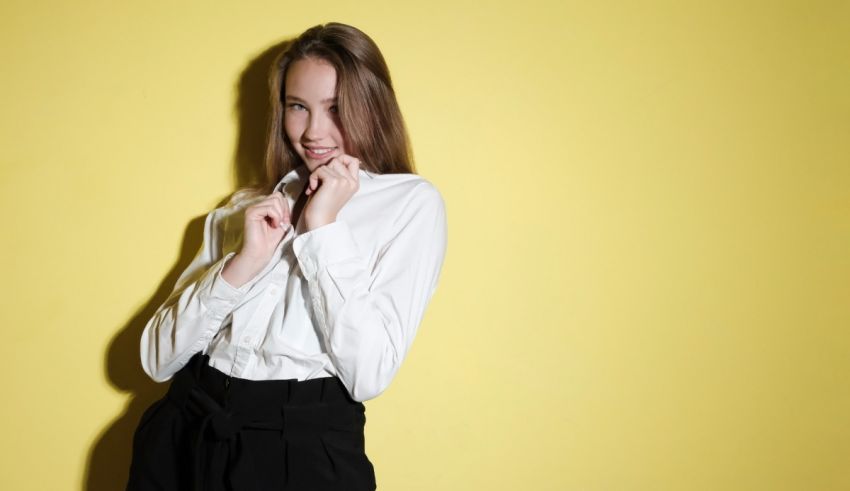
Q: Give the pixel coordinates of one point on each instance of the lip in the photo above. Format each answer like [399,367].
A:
[317,156]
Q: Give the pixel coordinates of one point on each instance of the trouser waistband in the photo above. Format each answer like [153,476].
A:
[226,389]
[223,407]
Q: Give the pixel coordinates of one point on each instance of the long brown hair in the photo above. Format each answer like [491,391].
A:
[368,110]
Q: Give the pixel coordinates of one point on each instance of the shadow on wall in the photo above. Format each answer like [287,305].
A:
[108,463]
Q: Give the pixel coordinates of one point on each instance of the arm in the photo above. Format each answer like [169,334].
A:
[368,318]
[195,310]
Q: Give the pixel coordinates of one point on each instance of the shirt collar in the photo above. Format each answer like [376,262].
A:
[293,182]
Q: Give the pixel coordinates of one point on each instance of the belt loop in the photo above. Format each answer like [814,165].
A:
[322,389]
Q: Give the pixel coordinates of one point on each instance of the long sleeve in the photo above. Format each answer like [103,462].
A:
[194,312]
[368,317]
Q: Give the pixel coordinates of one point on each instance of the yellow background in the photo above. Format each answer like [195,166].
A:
[647,279]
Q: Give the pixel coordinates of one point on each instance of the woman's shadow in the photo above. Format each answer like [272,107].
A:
[108,461]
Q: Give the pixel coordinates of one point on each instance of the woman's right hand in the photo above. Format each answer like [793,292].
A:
[266,222]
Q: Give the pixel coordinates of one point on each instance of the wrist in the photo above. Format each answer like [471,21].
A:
[249,262]
[241,268]
[313,222]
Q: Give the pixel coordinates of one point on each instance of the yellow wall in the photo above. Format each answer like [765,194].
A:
[647,279]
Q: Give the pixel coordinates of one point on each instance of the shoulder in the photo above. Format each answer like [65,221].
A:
[226,222]
[243,198]
[236,203]
[403,191]
[423,196]
[403,201]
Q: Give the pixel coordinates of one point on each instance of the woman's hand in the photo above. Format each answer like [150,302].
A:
[266,223]
[329,188]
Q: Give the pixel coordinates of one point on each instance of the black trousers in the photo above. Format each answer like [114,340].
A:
[213,432]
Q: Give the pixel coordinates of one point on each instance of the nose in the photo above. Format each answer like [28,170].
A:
[317,126]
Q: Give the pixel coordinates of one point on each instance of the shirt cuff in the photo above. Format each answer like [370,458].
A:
[217,295]
[328,244]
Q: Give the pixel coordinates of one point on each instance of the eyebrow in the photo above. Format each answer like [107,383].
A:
[298,99]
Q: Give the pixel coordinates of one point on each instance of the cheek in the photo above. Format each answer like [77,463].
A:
[340,135]
[293,127]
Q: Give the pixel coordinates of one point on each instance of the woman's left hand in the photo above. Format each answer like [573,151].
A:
[329,188]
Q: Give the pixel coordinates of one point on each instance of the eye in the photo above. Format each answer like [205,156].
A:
[296,106]
[334,109]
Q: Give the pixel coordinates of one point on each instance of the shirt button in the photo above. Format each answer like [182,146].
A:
[247,339]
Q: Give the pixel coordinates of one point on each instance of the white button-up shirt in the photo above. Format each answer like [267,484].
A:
[344,299]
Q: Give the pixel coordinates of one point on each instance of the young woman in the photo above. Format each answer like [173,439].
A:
[306,294]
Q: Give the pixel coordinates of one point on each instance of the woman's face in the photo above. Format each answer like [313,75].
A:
[310,116]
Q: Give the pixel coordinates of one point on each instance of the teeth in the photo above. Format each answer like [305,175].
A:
[320,152]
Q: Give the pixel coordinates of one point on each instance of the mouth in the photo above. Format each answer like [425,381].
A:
[317,153]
